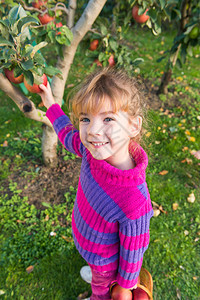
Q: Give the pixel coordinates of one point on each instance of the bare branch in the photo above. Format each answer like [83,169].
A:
[23,103]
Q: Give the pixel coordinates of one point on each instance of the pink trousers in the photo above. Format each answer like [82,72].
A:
[101,282]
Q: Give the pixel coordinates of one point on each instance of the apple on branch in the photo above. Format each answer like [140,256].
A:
[139,18]
[35,87]
[11,77]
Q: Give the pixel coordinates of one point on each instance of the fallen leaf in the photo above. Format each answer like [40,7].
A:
[157,142]
[191,138]
[195,277]
[196,154]
[175,206]
[185,149]
[67,239]
[5,144]
[82,296]
[30,269]
[164,172]
[148,134]
[178,293]
[186,232]
[156,212]
[70,85]
[2,292]
[191,198]
[187,132]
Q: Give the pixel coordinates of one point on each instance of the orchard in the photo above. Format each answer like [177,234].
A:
[59,42]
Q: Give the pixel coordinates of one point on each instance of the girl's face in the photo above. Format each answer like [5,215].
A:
[107,134]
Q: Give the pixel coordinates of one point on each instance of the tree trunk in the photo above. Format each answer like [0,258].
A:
[185,11]
[49,146]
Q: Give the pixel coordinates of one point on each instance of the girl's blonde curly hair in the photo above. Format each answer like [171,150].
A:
[122,90]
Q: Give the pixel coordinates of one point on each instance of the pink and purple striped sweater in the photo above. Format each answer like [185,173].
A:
[112,210]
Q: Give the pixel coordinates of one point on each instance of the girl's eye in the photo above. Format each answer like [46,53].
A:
[108,119]
[85,120]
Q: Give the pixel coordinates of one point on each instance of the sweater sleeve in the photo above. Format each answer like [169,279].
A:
[134,241]
[67,134]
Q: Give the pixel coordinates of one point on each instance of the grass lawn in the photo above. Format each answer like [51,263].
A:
[38,259]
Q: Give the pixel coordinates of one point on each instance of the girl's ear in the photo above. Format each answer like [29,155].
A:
[136,125]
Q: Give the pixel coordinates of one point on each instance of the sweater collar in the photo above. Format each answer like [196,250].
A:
[122,177]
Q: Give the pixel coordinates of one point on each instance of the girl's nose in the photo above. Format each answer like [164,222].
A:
[95,128]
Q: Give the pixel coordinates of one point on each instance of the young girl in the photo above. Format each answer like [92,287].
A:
[112,210]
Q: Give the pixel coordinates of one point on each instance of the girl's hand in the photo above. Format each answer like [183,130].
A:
[46,95]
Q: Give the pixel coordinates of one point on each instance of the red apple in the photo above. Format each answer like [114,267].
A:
[139,18]
[139,294]
[96,61]
[111,60]
[35,87]
[58,25]
[10,75]
[39,3]
[45,19]
[94,44]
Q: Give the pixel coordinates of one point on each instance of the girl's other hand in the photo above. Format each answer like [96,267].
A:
[46,95]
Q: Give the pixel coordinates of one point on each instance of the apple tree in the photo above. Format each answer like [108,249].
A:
[20,28]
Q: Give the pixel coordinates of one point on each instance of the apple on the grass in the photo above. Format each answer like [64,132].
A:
[35,87]
[139,18]
[10,75]
[45,19]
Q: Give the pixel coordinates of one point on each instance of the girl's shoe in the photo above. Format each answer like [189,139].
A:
[86,274]
[144,289]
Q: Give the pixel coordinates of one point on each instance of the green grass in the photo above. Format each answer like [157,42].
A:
[27,234]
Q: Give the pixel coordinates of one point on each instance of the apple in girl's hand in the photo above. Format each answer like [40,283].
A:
[111,60]
[39,3]
[35,87]
[10,75]
[139,18]
[45,19]
[94,44]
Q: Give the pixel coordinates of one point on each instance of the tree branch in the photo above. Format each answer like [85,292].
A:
[83,25]
[72,9]
[23,103]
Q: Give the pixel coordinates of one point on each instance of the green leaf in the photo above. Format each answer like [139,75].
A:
[39,59]
[138,61]
[17,71]
[29,77]
[27,65]
[38,47]
[113,45]
[14,14]
[103,29]
[4,42]
[67,32]
[162,3]
[4,29]
[63,40]
[51,71]
[102,56]
[25,22]
[46,204]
